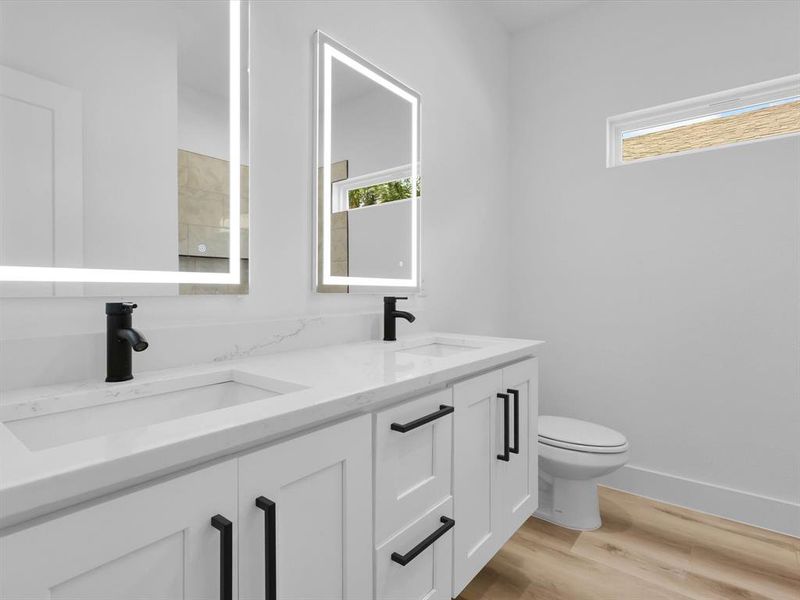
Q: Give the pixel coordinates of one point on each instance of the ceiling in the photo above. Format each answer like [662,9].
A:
[516,15]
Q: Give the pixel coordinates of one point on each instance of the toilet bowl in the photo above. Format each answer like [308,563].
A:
[573,454]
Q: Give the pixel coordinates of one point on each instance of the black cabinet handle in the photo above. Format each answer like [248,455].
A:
[403,428]
[270,554]
[506,447]
[225,528]
[404,559]
[515,448]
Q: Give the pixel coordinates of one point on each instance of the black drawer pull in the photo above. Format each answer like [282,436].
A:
[404,559]
[405,427]
[225,528]
[506,444]
[270,569]
[515,448]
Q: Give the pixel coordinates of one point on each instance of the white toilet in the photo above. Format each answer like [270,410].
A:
[572,455]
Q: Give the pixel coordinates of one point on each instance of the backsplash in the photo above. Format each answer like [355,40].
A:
[52,360]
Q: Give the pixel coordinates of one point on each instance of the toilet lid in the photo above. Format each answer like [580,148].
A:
[574,434]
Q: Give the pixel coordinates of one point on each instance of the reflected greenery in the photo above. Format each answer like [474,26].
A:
[381,193]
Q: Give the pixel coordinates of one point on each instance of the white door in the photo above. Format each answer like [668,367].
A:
[320,487]
[41,188]
[517,479]
[477,536]
[156,543]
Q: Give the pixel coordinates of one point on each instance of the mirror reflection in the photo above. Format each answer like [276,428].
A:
[368,175]
[115,142]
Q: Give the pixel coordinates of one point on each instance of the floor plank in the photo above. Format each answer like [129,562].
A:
[645,550]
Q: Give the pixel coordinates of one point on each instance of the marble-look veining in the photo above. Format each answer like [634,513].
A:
[320,385]
[39,361]
[275,339]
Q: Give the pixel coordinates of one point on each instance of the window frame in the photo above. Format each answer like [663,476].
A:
[341,189]
[709,104]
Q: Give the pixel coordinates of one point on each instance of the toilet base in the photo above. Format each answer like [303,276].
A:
[569,503]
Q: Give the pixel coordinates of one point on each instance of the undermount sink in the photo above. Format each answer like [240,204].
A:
[437,349]
[85,415]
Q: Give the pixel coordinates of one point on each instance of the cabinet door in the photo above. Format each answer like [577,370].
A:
[321,486]
[412,467]
[153,543]
[517,479]
[476,536]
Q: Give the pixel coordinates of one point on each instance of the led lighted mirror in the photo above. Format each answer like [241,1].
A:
[124,147]
[367,176]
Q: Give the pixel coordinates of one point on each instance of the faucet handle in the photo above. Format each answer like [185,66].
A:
[120,308]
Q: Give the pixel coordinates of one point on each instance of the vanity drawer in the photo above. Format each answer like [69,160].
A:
[413,466]
[427,575]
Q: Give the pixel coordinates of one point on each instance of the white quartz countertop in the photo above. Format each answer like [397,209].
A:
[315,386]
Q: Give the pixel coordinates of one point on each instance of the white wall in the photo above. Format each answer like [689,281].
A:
[371,131]
[464,142]
[204,126]
[668,290]
[379,240]
[463,137]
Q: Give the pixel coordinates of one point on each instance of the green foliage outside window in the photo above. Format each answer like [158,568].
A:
[381,193]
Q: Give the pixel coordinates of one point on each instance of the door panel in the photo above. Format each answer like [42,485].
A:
[476,536]
[518,478]
[162,561]
[321,484]
[154,543]
[41,158]
[311,528]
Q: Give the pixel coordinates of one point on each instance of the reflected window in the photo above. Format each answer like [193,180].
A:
[374,189]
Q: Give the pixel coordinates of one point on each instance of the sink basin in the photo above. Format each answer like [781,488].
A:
[437,349]
[121,407]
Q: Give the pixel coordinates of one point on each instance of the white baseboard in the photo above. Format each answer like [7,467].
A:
[761,511]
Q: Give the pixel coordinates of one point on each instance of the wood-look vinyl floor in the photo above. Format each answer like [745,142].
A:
[645,550]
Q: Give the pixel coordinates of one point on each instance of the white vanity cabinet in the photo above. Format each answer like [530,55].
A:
[151,544]
[320,488]
[467,453]
[495,466]
[158,543]
[407,502]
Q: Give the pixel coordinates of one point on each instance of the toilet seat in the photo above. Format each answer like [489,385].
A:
[580,436]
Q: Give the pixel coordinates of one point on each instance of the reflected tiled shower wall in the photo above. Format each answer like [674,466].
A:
[204,220]
[339,233]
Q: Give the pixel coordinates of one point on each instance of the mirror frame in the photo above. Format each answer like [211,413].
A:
[326,49]
[86,275]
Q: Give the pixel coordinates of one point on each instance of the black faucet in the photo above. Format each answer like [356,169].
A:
[121,338]
[390,313]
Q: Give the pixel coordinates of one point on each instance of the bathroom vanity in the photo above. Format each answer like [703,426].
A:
[334,472]
[369,470]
